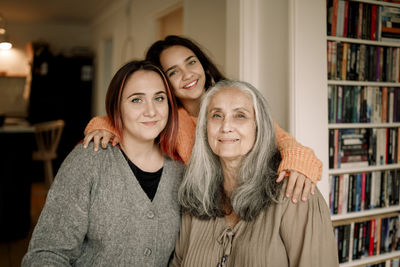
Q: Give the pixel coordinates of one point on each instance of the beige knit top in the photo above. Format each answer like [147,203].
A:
[285,234]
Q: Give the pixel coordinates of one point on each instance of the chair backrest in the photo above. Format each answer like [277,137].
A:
[48,135]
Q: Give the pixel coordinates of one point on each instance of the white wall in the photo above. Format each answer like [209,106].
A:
[273,58]
[309,113]
[108,28]
[205,22]
[172,23]
[232,41]
[257,50]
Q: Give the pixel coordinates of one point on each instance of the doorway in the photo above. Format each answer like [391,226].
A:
[171,23]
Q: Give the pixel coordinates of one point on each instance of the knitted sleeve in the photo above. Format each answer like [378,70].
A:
[186,135]
[100,123]
[60,232]
[297,157]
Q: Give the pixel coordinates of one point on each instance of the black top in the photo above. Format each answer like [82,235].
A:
[148,180]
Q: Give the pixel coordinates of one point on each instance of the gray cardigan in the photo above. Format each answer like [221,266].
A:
[96,214]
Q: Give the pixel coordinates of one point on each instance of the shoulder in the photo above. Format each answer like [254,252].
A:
[174,167]
[82,160]
[84,166]
[283,200]
[182,112]
[185,119]
[186,221]
[83,155]
[314,207]
[174,163]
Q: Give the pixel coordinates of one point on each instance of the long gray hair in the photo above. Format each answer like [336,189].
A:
[201,194]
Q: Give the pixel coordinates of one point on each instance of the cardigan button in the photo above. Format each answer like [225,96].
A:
[147,252]
[150,215]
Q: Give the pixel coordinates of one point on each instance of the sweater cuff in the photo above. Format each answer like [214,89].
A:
[304,162]
[100,123]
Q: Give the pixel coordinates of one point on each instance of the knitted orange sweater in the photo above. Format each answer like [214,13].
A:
[294,156]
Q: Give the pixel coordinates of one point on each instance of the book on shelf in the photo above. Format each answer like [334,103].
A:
[372,247]
[351,148]
[361,62]
[366,147]
[339,104]
[390,21]
[367,238]
[342,233]
[384,104]
[373,24]
[360,20]
[363,191]
[358,104]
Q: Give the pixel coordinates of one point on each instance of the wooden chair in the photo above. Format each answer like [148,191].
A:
[48,135]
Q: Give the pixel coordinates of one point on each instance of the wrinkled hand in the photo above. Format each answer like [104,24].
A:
[297,184]
[100,135]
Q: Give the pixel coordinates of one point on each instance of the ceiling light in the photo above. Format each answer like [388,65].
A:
[4,42]
[5,45]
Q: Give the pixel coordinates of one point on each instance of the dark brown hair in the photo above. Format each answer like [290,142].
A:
[167,138]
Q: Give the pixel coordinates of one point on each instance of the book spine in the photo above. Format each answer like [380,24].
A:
[355,240]
[363,190]
[384,104]
[378,236]
[334,16]
[398,145]
[343,67]
[373,22]
[358,193]
[346,18]
[336,161]
[351,241]
[336,197]
[350,193]
[332,194]
[339,108]
[391,105]
[340,195]
[378,59]
[345,197]
[360,19]
[371,238]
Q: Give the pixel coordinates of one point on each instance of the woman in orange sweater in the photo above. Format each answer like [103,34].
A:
[191,73]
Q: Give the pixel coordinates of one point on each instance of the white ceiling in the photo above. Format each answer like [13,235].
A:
[51,11]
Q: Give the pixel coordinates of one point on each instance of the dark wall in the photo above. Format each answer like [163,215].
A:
[61,88]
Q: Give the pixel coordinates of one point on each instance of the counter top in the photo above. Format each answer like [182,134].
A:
[16,125]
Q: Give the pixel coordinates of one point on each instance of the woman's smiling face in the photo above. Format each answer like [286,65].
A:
[144,106]
[231,125]
[184,71]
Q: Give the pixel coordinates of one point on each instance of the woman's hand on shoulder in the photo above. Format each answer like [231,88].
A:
[296,185]
[98,136]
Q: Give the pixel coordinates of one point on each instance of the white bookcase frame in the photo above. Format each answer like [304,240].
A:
[308,88]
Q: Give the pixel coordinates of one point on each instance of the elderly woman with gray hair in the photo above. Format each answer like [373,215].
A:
[234,213]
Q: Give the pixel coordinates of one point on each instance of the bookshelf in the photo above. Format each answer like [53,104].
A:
[363,67]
